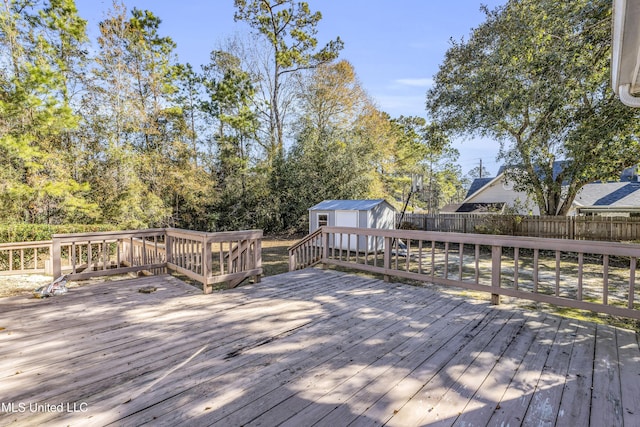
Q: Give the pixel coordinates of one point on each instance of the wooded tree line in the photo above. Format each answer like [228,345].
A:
[118,131]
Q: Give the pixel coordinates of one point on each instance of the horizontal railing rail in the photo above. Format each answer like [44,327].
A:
[589,275]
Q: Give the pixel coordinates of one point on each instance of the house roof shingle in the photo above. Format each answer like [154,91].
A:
[496,207]
[609,194]
[477,184]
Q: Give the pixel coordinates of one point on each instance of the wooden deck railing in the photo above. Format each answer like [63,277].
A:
[589,275]
[107,253]
[33,258]
[208,258]
[25,257]
[307,252]
[212,258]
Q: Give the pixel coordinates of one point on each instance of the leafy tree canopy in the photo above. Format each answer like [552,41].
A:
[535,76]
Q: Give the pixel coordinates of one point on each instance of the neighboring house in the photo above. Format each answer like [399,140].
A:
[608,199]
[496,195]
[376,213]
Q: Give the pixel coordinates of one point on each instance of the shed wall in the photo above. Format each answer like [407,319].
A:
[381,216]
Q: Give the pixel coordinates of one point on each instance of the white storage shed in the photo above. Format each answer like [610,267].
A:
[376,213]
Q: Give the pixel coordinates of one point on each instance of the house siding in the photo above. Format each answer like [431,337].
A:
[495,193]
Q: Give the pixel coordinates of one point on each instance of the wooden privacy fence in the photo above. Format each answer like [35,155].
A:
[208,258]
[614,229]
[590,275]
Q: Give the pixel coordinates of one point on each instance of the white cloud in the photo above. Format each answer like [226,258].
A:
[424,82]
[396,105]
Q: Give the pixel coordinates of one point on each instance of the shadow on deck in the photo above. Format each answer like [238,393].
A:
[306,347]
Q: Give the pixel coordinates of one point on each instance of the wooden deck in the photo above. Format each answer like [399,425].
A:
[305,348]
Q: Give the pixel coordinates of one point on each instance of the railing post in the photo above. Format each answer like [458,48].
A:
[206,264]
[496,261]
[56,255]
[258,258]
[388,243]
[324,238]
[168,249]
[292,260]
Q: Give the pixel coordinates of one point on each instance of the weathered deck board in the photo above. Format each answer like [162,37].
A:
[311,347]
[488,396]
[606,406]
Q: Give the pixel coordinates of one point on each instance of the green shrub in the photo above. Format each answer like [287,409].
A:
[23,232]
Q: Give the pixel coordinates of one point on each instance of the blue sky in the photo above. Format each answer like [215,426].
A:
[395,46]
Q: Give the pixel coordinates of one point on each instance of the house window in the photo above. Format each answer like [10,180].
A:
[323,220]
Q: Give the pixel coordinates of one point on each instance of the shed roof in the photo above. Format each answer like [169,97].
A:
[348,205]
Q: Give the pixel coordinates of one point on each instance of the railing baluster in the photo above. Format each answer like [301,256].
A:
[632,281]
[375,252]
[104,254]
[73,257]
[580,274]
[221,247]
[496,270]
[461,259]
[395,257]
[118,254]
[433,258]
[477,264]
[206,264]
[536,255]
[605,279]
[366,250]
[446,260]
[516,253]
[388,249]
[557,290]
[131,248]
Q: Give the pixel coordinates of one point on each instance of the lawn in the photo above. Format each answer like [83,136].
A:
[275,257]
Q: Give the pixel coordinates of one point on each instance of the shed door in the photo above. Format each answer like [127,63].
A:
[346,219]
